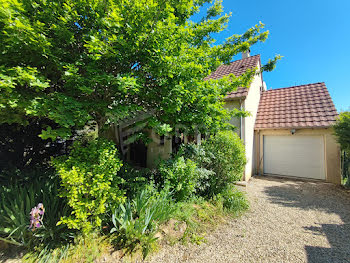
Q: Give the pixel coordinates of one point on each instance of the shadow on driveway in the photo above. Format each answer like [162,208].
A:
[320,196]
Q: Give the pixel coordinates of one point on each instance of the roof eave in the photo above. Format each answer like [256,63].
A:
[234,98]
[296,127]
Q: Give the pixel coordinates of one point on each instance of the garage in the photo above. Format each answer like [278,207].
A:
[294,136]
[298,156]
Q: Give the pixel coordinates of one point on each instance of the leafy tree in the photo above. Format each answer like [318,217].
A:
[342,130]
[80,62]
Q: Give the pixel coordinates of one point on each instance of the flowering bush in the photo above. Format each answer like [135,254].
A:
[36,216]
[17,203]
[89,181]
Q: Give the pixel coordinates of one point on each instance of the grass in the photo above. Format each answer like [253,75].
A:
[203,216]
[83,250]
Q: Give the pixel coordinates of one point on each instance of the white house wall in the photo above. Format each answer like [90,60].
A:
[234,104]
[251,104]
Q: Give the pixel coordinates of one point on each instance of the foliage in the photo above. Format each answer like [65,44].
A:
[342,130]
[181,175]
[83,249]
[88,181]
[23,149]
[45,254]
[200,216]
[227,159]
[136,221]
[345,168]
[16,202]
[81,62]
[135,179]
[26,176]
[342,133]
[198,154]
[234,200]
[220,160]
[203,215]
[195,152]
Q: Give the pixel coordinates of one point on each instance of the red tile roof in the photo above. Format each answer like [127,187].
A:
[305,106]
[237,68]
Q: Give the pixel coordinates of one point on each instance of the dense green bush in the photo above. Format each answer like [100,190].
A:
[135,179]
[202,158]
[16,202]
[220,160]
[342,133]
[342,130]
[136,222]
[181,175]
[89,181]
[195,152]
[226,154]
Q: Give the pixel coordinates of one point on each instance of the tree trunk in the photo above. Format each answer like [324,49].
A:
[100,122]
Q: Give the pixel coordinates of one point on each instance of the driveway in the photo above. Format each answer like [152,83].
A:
[289,221]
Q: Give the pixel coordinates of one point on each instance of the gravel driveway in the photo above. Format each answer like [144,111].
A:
[289,221]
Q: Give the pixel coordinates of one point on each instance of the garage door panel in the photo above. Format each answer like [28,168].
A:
[300,156]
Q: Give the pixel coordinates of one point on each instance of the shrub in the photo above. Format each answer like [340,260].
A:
[227,160]
[342,130]
[16,202]
[136,222]
[136,179]
[342,133]
[195,152]
[201,157]
[89,181]
[181,175]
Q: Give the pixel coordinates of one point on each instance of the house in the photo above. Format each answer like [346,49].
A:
[245,99]
[289,131]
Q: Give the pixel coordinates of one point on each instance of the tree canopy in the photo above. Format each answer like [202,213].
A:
[94,61]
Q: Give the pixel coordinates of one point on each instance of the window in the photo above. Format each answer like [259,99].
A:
[161,139]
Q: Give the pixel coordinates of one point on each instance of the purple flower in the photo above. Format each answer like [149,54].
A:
[36,216]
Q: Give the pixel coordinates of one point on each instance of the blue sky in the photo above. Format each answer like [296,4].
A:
[313,36]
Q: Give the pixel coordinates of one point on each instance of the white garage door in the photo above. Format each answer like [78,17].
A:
[300,156]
